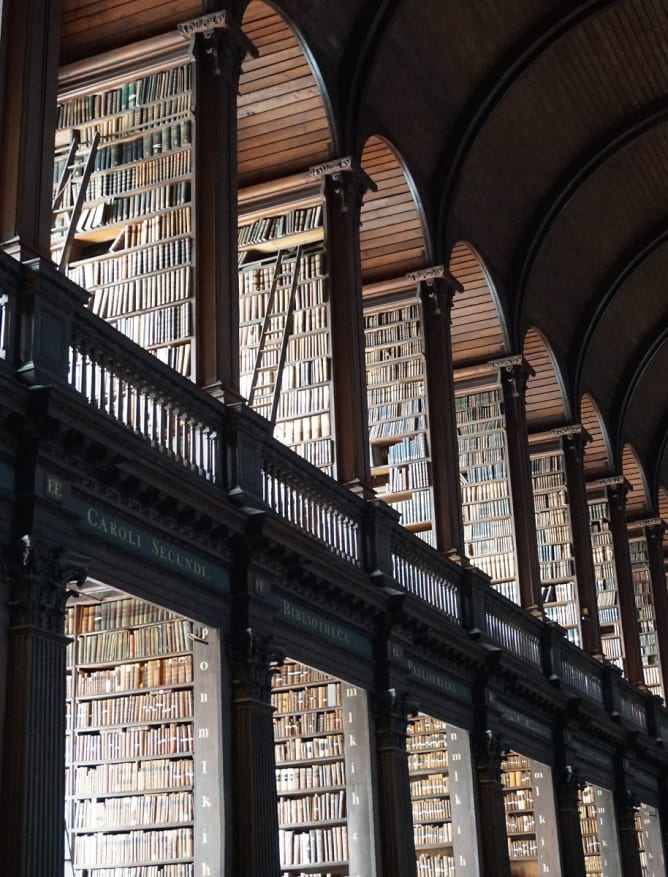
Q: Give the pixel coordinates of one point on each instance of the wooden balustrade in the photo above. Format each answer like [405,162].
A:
[128,385]
[302,494]
[419,570]
[147,397]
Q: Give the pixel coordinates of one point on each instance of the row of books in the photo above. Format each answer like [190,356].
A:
[269,228]
[483,491]
[478,398]
[432,784]
[491,471]
[391,371]
[131,167]
[553,499]
[523,849]
[158,326]
[553,517]
[134,93]
[492,429]
[406,390]
[520,823]
[154,229]
[566,616]
[115,614]
[152,291]
[127,208]
[409,476]
[486,547]
[554,551]
[499,567]
[133,776]
[306,372]
[558,569]
[304,724]
[124,812]
[481,511]
[127,264]
[320,775]
[312,808]
[486,442]
[435,866]
[256,278]
[548,482]
[168,739]
[155,673]
[395,410]
[431,810]
[548,464]
[560,593]
[300,749]
[134,846]
[435,756]
[479,413]
[308,436]
[432,834]
[313,847]
[409,347]
[180,869]
[552,535]
[393,428]
[488,529]
[417,509]
[392,316]
[389,337]
[144,642]
[298,402]
[160,706]
[309,698]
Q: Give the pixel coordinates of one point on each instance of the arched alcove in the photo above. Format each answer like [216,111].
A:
[282,110]
[479,331]
[597,452]
[392,235]
[637,500]
[546,402]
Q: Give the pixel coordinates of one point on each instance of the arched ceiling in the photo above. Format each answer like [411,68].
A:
[534,130]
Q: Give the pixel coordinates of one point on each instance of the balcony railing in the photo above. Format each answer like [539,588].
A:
[232,449]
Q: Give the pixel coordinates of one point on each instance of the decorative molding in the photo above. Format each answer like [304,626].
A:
[252,657]
[336,165]
[645,522]
[436,272]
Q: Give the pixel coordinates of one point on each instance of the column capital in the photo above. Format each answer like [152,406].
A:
[575,438]
[218,35]
[489,750]
[347,182]
[436,286]
[252,657]
[514,372]
[39,579]
[392,712]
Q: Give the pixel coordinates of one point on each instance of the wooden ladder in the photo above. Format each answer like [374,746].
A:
[265,389]
[67,181]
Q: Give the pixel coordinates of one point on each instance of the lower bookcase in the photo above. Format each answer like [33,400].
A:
[323,775]
[135,735]
[439,764]
[530,816]
[648,828]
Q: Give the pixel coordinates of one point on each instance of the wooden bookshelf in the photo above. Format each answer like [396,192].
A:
[427,745]
[398,416]
[605,572]
[130,747]
[487,510]
[648,828]
[554,534]
[646,614]
[590,829]
[284,326]
[314,778]
[518,800]
[131,242]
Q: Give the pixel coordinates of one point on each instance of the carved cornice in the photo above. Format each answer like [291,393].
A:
[222,39]
[393,710]
[252,657]
[347,181]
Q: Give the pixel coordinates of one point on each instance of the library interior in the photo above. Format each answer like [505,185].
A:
[333,438]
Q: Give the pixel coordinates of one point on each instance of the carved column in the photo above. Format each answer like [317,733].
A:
[514,373]
[568,814]
[436,288]
[29,53]
[218,48]
[344,186]
[654,530]
[626,804]
[255,817]
[394,800]
[33,776]
[617,501]
[491,814]
[574,441]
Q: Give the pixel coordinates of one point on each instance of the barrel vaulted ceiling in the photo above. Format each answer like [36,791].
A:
[534,132]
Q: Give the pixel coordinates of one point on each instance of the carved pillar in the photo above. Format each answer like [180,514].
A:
[436,288]
[394,800]
[33,785]
[30,44]
[218,48]
[568,815]
[574,441]
[488,753]
[654,530]
[255,817]
[626,805]
[344,186]
[514,373]
[627,607]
